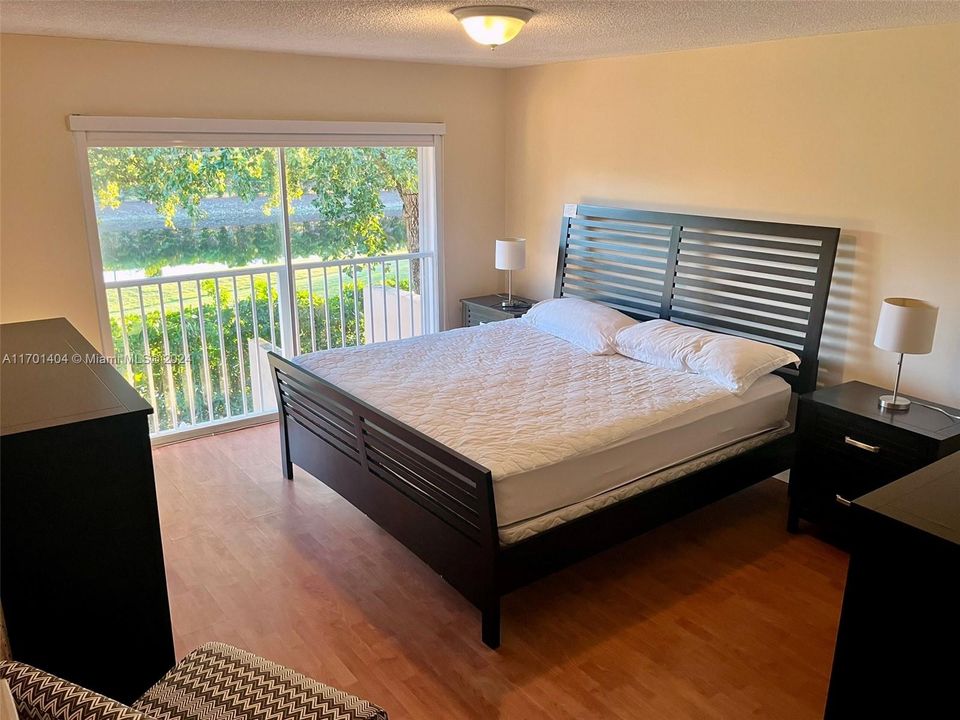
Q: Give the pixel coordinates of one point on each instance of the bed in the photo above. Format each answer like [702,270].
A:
[497,464]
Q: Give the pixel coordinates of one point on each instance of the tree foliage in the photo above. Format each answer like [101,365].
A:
[152,249]
[179,178]
[347,183]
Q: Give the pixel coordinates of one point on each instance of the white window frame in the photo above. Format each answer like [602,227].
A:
[117,131]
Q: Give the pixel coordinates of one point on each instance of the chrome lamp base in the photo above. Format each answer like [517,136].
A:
[894,403]
[508,302]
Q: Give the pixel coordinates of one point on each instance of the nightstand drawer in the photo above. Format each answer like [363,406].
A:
[867,445]
[831,475]
[847,459]
[475,315]
[487,309]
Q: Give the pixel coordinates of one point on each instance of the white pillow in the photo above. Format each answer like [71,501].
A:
[588,325]
[734,363]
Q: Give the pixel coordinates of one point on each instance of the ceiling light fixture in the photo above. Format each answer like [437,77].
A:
[492,25]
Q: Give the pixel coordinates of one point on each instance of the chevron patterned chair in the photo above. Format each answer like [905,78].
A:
[214,682]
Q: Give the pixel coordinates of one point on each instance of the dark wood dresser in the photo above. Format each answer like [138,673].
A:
[900,624]
[81,564]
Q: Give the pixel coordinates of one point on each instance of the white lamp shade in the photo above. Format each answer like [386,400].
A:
[906,326]
[511,254]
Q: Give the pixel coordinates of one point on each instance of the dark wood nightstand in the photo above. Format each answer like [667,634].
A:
[486,308]
[846,447]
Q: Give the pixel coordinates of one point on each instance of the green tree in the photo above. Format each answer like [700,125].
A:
[179,178]
[347,183]
[152,249]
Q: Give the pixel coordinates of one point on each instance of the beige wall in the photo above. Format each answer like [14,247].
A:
[43,248]
[860,131]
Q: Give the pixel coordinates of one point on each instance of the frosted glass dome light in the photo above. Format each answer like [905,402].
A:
[492,25]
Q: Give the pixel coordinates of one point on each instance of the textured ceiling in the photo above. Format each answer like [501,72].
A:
[424,30]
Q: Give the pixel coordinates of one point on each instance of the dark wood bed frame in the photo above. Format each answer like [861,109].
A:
[764,280]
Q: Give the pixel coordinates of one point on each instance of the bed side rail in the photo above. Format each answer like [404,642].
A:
[447,484]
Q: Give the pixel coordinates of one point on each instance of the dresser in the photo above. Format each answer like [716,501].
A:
[82,579]
[900,623]
[847,447]
[488,308]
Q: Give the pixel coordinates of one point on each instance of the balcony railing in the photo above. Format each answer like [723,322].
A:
[195,344]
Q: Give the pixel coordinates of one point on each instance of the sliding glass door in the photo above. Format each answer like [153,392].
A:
[213,255]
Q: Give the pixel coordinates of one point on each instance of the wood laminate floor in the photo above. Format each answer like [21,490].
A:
[721,614]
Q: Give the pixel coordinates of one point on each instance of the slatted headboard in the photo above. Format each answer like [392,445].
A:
[762,280]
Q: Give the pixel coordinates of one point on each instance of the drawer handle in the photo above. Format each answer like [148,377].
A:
[862,445]
[843,501]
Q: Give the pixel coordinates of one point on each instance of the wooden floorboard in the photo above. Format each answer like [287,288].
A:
[721,614]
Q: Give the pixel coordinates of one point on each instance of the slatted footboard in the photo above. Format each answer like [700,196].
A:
[432,499]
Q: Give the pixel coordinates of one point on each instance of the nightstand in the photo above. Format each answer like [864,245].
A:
[486,308]
[846,447]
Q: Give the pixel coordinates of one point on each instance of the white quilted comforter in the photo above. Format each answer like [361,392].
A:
[509,396]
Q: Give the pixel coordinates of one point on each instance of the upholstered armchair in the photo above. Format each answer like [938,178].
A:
[213,682]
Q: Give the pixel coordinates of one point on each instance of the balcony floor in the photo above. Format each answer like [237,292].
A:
[721,614]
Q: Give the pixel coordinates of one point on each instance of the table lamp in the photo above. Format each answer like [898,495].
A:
[906,326]
[511,255]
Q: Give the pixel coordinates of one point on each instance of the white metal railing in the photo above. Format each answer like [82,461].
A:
[194,344]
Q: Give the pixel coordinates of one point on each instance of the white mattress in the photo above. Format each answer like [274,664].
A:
[521,530]
[555,425]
